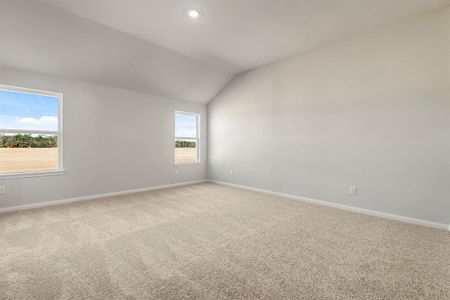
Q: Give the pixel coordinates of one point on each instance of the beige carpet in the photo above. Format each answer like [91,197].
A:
[212,242]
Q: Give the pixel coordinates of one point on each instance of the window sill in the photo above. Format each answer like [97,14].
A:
[31,174]
[187,164]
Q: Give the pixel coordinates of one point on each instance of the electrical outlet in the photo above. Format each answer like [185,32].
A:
[2,190]
[176,172]
[353,190]
[231,173]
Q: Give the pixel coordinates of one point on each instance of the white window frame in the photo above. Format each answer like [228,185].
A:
[58,133]
[197,138]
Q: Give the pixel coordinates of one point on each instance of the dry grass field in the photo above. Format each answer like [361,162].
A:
[185,155]
[37,159]
[28,159]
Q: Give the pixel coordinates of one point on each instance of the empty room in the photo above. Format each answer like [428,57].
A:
[225,149]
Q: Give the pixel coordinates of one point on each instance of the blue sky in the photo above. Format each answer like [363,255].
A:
[19,110]
[185,125]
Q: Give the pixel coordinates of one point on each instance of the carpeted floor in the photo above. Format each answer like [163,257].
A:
[213,242]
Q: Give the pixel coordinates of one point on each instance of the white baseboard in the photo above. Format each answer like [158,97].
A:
[97,196]
[342,206]
[290,196]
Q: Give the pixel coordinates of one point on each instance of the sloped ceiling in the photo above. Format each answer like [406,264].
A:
[126,43]
[239,35]
[41,38]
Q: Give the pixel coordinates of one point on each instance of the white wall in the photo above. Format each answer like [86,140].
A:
[114,140]
[371,111]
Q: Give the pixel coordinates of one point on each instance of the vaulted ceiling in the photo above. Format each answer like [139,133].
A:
[152,46]
[41,38]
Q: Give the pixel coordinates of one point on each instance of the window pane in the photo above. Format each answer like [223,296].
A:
[185,125]
[27,153]
[186,151]
[27,111]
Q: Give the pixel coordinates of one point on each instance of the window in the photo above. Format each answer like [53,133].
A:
[187,138]
[30,132]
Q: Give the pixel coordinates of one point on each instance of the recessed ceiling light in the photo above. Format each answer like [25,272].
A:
[194,14]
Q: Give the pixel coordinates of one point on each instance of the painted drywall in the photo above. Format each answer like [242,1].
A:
[372,111]
[114,140]
[41,38]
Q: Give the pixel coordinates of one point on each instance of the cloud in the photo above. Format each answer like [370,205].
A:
[186,125]
[49,119]
[185,132]
[28,121]
[43,121]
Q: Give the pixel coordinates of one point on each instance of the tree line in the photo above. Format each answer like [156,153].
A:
[28,141]
[185,144]
[44,141]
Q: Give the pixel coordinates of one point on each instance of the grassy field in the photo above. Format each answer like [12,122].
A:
[28,159]
[185,155]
